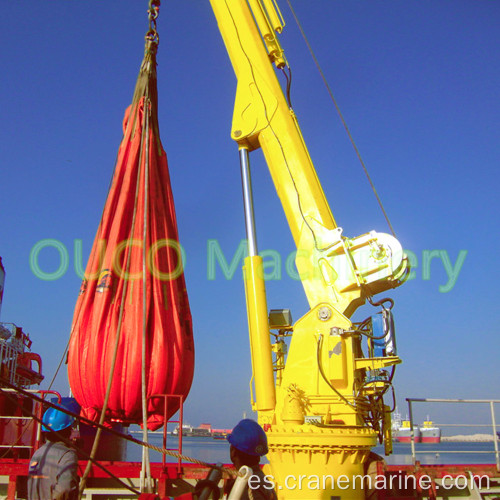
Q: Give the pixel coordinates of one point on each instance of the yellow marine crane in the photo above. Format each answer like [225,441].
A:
[323,408]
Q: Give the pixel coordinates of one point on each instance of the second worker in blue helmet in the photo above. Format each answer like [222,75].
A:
[248,444]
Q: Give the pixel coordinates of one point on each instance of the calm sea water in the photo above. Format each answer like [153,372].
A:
[207,449]
[441,453]
[214,450]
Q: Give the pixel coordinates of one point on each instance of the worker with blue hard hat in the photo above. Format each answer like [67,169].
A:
[53,467]
[248,444]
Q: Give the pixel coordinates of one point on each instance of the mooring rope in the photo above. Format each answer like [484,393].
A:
[126,437]
[151,47]
[146,468]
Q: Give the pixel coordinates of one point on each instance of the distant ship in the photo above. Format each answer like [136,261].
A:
[190,431]
[425,433]
[219,435]
[402,433]
[429,433]
[204,430]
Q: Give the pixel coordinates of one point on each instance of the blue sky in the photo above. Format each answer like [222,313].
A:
[417,82]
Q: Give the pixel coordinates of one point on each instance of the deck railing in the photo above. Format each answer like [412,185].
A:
[179,421]
[25,432]
[8,359]
[493,425]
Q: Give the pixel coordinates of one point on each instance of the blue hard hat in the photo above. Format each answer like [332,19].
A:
[56,420]
[249,437]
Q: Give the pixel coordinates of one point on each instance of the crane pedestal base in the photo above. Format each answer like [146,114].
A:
[312,462]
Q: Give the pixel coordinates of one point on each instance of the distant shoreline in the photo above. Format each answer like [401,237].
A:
[471,438]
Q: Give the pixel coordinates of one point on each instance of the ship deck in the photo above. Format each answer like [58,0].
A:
[475,481]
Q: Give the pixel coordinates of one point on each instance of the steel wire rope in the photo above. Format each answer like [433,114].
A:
[15,443]
[152,41]
[341,116]
[126,437]
[69,443]
[114,356]
[77,313]
[152,37]
[288,79]
[26,428]
[19,438]
[120,319]
[61,360]
[85,278]
[92,260]
[364,405]
[146,468]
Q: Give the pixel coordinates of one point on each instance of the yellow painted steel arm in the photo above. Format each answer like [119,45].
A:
[333,268]
[322,411]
